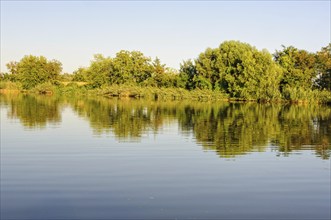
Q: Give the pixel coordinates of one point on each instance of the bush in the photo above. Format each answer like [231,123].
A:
[324,96]
[32,70]
[10,85]
[299,94]
[44,88]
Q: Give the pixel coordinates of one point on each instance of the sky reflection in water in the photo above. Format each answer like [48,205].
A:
[98,158]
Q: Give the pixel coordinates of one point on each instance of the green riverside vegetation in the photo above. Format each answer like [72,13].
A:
[232,71]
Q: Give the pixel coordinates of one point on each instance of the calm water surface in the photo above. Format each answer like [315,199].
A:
[98,158]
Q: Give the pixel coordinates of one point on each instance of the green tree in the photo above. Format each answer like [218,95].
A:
[238,69]
[187,73]
[99,71]
[159,68]
[12,67]
[208,73]
[323,67]
[246,72]
[162,76]
[66,77]
[298,68]
[33,70]
[131,67]
[80,75]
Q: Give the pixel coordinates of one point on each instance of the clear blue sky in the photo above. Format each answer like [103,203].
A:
[72,31]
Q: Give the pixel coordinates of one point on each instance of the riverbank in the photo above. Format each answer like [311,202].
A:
[155,93]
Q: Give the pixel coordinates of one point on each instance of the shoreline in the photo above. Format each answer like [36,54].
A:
[153,93]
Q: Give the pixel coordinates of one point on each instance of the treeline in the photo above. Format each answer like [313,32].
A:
[235,69]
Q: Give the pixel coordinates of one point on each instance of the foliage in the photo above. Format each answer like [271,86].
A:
[80,75]
[161,76]
[9,85]
[154,93]
[130,67]
[33,70]
[65,77]
[126,67]
[8,77]
[187,73]
[323,67]
[73,88]
[298,67]
[45,88]
[234,70]
[98,73]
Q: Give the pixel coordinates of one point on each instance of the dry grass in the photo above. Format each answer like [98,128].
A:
[77,83]
[9,91]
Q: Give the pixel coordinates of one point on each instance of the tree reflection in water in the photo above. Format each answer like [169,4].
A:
[230,129]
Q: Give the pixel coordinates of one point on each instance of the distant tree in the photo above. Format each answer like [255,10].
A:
[238,69]
[125,67]
[12,67]
[80,75]
[161,75]
[246,72]
[323,60]
[99,71]
[33,70]
[8,77]
[298,68]
[187,74]
[66,77]
[208,72]
[131,67]
[158,67]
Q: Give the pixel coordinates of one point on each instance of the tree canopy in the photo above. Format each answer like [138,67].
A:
[298,67]
[239,70]
[34,70]
[323,60]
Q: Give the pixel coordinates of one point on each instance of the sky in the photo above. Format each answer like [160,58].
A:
[174,31]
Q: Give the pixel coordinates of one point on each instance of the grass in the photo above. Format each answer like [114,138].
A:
[73,82]
[8,85]
[125,91]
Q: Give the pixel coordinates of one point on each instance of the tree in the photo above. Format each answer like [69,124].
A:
[323,66]
[12,67]
[158,67]
[33,70]
[187,73]
[99,71]
[80,75]
[207,69]
[238,69]
[298,68]
[162,76]
[126,67]
[131,67]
